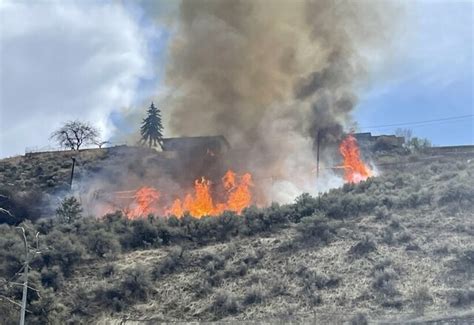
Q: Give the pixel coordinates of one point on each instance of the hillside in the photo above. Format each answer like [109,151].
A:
[396,247]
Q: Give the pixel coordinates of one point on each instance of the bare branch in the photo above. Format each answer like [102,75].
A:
[74,134]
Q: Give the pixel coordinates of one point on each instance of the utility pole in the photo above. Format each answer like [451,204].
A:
[72,171]
[318,144]
[25,275]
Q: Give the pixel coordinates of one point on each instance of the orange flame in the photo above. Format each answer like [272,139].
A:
[199,203]
[145,203]
[354,168]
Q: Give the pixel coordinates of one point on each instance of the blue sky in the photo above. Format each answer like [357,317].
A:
[431,78]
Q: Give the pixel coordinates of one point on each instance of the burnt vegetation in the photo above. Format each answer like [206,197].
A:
[353,246]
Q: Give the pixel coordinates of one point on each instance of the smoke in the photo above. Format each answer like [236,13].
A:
[271,75]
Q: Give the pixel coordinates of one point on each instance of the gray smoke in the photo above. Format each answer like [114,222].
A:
[271,75]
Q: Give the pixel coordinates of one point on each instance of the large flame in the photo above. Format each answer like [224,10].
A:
[237,196]
[200,202]
[354,168]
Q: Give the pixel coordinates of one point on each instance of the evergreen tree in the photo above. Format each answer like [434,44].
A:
[152,129]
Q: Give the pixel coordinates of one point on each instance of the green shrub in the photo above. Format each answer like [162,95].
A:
[102,243]
[69,210]
[64,251]
[316,228]
[143,235]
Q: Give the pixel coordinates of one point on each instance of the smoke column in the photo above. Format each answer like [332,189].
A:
[268,75]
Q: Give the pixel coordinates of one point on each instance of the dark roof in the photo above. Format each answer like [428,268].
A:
[190,143]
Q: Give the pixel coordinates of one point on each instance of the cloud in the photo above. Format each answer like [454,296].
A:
[65,60]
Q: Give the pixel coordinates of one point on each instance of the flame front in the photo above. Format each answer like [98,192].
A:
[238,197]
[354,168]
[200,202]
[145,203]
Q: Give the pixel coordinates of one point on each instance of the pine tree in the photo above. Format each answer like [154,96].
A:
[152,129]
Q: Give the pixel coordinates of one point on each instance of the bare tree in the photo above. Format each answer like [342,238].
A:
[74,134]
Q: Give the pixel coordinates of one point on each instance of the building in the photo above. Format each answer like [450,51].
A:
[379,142]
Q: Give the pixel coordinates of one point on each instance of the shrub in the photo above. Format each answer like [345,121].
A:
[462,194]
[52,277]
[382,213]
[108,270]
[384,282]
[313,280]
[464,262]
[305,205]
[64,251]
[69,210]
[143,235]
[421,297]
[102,243]
[363,247]
[254,295]
[359,319]
[169,264]
[136,284]
[316,228]
[224,303]
[461,297]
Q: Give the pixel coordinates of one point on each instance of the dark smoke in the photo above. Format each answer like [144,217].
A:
[271,75]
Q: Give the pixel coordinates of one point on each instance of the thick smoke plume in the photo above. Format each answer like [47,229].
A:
[270,75]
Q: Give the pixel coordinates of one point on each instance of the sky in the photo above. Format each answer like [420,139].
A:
[102,60]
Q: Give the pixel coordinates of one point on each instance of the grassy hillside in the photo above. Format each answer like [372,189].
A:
[396,247]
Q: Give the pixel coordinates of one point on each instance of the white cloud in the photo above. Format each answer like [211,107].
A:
[61,60]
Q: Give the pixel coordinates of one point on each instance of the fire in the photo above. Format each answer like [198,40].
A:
[145,203]
[354,168]
[199,202]
[238,197]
